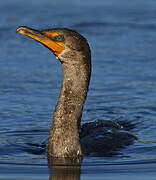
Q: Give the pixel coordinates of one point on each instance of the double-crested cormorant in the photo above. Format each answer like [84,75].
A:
[67,138]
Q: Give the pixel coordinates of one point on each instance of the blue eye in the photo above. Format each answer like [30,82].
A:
[59,38]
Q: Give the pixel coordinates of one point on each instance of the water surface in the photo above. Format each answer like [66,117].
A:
[122,36]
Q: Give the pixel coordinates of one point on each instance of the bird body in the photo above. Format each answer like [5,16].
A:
[73,51]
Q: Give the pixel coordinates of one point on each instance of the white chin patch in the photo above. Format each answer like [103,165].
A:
[60,56]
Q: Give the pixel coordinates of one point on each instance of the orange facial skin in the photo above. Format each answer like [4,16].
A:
[48,39]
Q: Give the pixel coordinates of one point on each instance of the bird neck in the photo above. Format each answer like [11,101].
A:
[64,134]
[72,97]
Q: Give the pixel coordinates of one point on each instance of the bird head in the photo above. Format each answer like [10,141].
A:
[62,42]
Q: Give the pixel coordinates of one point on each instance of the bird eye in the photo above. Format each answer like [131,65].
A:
[59,38]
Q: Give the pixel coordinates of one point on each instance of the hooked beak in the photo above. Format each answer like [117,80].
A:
[41,37]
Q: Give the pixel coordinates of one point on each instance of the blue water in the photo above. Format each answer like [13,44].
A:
[122,36]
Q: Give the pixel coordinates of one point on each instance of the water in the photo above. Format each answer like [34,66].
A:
[122,38]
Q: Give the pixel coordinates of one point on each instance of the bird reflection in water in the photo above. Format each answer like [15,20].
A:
[64,168]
